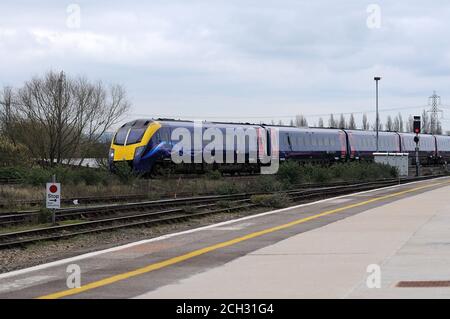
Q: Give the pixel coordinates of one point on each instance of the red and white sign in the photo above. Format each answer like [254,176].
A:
[53,195]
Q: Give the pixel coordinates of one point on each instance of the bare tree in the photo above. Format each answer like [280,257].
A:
[389,124]
[321,122]
[438,128]
[398,123]
[380,126]
[99,109]
[365,123]
[400,120]
[410,124]
[342,124]
[7,112]
[352,122]
[300,121]
[60,115]
[332,121]
[426,124]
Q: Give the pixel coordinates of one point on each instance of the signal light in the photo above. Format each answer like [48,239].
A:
[416,125]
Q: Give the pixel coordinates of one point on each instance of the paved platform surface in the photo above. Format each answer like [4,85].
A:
[408,239]
[319,250]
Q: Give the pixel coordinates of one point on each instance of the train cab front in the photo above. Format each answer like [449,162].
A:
[131,144]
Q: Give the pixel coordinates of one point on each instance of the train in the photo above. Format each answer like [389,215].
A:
[147,145]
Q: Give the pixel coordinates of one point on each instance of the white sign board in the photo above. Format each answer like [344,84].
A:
[53,195]
[398,160]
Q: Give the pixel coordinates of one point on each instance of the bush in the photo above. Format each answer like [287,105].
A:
[227,189]
[277,200]
[292,173]
[37,176]
[267,184]
[13,154]
[12,172]
[44,216]
[214,175]
[124,172]
[289,172]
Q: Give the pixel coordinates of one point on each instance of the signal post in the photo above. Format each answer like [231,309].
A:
[416,140]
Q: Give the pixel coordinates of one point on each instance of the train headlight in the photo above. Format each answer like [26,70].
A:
[111,154]
[139,151]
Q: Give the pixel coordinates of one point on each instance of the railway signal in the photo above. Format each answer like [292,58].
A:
[416,125]
[417,128]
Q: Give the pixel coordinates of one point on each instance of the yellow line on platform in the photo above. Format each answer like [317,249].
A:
[202,251]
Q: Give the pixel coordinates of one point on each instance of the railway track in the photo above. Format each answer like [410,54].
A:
[117,216]
[81,200]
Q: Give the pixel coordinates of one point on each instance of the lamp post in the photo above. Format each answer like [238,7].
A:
[377,124]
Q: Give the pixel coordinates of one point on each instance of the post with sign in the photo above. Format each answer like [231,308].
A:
[417,129]
[53,198]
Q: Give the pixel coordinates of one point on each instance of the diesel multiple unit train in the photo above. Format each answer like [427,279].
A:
[146,144]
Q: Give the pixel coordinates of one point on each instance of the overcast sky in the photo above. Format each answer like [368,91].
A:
[239,60]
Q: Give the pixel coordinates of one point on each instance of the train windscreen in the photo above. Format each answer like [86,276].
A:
[127,135]
[135,135]
[121,136]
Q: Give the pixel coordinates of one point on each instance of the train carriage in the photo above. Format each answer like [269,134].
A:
[442,148]
[427,147]
[362,144]
[313,145]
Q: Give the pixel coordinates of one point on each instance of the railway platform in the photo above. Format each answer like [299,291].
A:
[386,243]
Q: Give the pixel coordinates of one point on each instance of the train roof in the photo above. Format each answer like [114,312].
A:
[172,122]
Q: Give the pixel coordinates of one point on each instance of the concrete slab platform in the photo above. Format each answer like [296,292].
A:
[409,239]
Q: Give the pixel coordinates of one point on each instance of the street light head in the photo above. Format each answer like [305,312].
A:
[377,78]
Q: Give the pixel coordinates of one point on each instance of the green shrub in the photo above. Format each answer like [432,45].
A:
[13,154]
[228,188]
[38,176]
[289,172]
[214,175]
[124,172]
[266,184]
[277,200]
[13,172]
[44,216]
